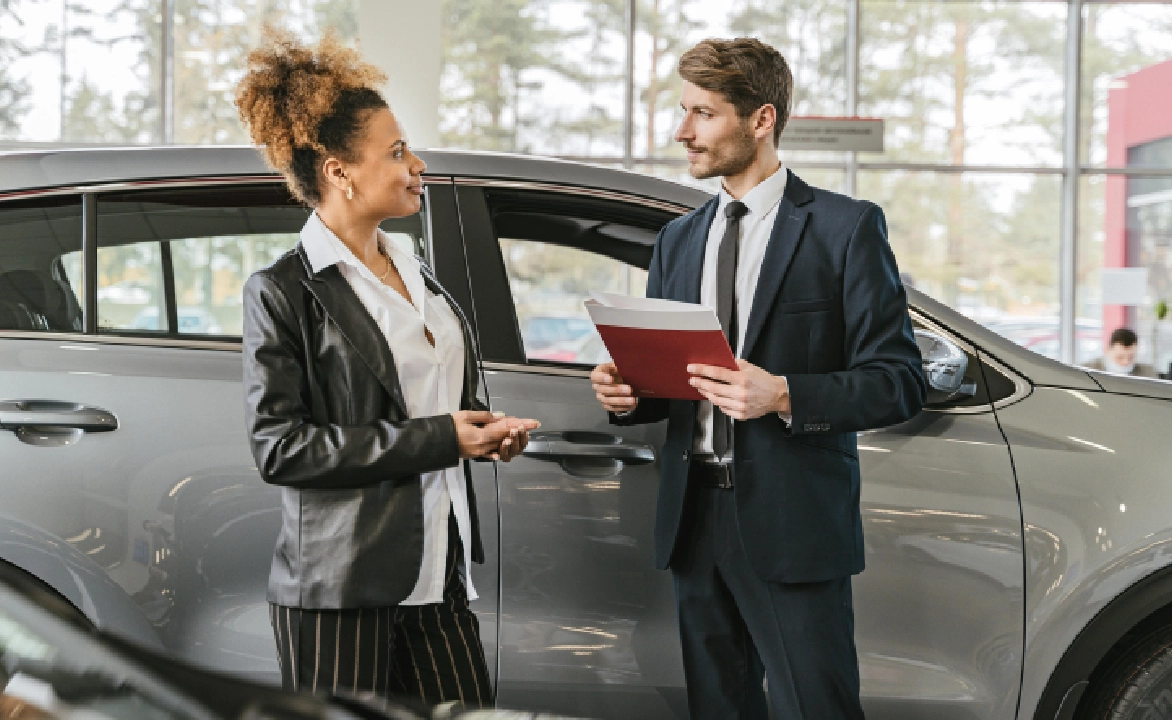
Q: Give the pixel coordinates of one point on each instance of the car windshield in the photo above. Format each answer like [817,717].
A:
[49,669]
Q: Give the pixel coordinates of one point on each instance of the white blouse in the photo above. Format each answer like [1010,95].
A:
[432,379]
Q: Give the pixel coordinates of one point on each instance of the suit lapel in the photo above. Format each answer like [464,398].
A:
[694,251]
[783,243]
[338,300]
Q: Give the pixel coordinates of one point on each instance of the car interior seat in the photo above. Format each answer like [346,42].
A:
[36,301]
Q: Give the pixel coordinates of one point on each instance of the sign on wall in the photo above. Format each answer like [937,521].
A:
[1124,286]
[843,134]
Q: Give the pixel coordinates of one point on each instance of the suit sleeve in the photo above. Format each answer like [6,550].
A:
[649,410]
[883,383]
[289,448]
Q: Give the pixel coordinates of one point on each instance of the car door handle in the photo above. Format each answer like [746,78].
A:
[577,444]
[45,414]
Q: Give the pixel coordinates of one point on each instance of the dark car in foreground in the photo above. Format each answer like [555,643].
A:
[55,664]
[1018,531]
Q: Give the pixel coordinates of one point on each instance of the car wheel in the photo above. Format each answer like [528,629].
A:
[1137,685]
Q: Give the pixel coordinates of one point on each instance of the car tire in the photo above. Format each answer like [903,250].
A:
[1137,685]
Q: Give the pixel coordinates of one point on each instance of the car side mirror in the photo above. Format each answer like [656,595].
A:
[944,368]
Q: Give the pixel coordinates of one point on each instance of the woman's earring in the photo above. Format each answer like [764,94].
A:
[350,192]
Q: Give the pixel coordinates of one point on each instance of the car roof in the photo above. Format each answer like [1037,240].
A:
[79,167]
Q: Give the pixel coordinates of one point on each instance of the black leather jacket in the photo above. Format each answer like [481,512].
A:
[327,422]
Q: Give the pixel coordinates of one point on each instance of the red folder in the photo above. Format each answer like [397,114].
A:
[652,342]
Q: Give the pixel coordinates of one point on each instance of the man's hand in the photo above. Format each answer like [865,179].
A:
[742,394]
[614,395]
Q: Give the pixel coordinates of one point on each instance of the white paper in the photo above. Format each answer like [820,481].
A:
[649,313]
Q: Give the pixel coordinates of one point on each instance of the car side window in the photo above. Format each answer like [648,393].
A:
[556,250]
[175,261]
[37,290]
[549,284]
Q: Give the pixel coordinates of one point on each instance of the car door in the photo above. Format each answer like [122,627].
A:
[588,626]
[170,503]
[939,610]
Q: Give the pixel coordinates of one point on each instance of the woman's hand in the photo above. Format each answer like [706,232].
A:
[518,437]
[478,432]
[481,433]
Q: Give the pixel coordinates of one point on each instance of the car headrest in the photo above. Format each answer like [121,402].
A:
[42,295]
[18,316]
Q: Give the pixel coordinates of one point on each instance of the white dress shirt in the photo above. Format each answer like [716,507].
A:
[432,379]
[756,228]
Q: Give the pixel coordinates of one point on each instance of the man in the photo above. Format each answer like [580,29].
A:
[1120,356]
[758,515]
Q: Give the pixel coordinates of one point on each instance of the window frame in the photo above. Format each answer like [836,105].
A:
[90,195]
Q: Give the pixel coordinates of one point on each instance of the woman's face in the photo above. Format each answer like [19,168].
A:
[387,177]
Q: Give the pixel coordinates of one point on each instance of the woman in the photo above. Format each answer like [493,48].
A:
[360,384]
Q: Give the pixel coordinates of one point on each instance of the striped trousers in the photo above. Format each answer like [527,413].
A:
[429,652]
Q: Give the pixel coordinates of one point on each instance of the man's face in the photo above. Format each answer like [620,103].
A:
[718,142]
[1122,355]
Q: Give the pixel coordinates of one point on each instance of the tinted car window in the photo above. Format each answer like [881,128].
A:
[556,250]
[192,247]
[549,284]
[175,261]
[36,291]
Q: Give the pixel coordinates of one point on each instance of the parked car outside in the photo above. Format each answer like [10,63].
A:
[544,331]
[1018,531]
[191,320]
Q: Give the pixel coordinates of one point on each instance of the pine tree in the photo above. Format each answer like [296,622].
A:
[14,91]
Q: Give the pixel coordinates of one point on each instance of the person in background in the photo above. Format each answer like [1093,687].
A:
[1120,356]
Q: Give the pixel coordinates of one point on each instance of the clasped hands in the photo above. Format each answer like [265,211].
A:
[743,394]
[481,433]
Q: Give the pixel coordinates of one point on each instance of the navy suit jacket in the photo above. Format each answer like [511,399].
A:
[830,314]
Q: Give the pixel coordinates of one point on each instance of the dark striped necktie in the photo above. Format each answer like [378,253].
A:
[726,310]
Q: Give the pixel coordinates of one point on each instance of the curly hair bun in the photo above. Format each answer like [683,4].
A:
[290,89]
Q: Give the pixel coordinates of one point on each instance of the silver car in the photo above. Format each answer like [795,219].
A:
[1018,532]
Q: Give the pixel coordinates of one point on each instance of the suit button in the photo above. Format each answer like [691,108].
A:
[686,455]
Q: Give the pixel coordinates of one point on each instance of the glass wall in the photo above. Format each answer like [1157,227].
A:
[984,243]
[75,71]
[964,82]
[972,93]
[1125,218]
[973,176]
[92,72]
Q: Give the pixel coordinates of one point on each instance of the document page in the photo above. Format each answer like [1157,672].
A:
[653,341]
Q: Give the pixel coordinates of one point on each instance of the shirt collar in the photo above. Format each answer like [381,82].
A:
[323,248]
[762,198]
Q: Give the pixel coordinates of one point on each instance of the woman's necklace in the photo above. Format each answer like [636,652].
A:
[382,251]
